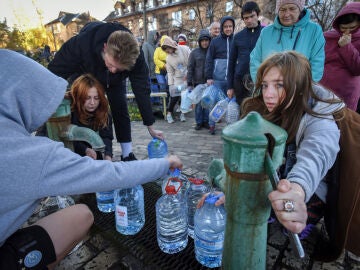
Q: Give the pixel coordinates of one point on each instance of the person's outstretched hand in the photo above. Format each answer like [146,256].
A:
[294,221]
[175,162]
[220,201]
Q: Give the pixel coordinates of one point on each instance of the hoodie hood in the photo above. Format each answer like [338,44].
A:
[353,7]
[151,37]
[222,21]
[162,39]
[29,94]
[170,43]
[204,34]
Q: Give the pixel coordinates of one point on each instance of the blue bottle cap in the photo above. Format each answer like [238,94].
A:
[212,198]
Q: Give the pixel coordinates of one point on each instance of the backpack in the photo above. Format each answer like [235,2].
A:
[342,212]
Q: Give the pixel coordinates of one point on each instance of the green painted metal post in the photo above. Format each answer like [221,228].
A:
[247,187]
[59,128]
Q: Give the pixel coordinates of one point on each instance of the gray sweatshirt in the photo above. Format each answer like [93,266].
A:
[33,167]
[317,142]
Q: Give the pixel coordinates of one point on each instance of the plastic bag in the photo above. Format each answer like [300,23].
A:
[197,93]
[186,103]
[210,97]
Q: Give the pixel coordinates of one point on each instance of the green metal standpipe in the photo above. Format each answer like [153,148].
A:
[247,187]
[59,128]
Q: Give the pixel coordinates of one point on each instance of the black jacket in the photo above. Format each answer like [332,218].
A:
[82,54]
[106,135]
[239,60]
[196,64]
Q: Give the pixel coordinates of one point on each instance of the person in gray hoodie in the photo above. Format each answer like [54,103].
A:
[39,167]
[148,48]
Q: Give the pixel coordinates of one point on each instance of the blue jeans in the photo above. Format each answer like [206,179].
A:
[201,114]
[161,79]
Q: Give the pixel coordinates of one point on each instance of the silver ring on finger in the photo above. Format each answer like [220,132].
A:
[289,206]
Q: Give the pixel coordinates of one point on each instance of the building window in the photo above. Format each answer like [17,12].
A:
[150,3]
[192,14]
[229,6]
[176,18]
[164,2]
[152,25]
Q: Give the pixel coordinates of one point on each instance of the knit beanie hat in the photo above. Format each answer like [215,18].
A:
[299,3]
[183,36]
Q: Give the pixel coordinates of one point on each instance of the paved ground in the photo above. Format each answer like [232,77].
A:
[106,249]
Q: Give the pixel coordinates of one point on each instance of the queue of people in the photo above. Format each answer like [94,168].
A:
[291,67]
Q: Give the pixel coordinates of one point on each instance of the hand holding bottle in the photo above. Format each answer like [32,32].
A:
[175,162]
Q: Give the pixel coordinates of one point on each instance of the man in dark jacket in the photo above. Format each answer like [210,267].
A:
[196,75]
[217,58]
[218,54]
[110,53]
[244,42]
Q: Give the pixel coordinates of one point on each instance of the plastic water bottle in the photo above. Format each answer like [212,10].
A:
[129,212]
[209,232]
[176,179]
[233,111]
[196,93]
[157,148]
[105,201]
[198,187]
[171,221]
[219,110]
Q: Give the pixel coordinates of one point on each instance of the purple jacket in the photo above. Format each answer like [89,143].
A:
[342,64]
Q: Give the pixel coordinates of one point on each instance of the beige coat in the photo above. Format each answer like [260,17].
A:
[176,64]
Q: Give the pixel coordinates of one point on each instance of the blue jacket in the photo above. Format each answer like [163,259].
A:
[239,60]
[305,37]
[219,49]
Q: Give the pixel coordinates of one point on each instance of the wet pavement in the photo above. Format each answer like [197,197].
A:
[104,248]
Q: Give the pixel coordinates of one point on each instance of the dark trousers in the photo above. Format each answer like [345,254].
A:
[120,114]
[172,103]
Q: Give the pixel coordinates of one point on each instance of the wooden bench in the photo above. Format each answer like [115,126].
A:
[162,95]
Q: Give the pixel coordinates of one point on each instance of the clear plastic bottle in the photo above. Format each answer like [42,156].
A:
[209,232]
[157,148]
[105,201]
[219,110]
[198,187]
[129,212]
[171,221]
[233,111]
[173,178]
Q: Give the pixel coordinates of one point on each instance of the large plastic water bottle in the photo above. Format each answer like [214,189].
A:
[177,179]
[198,187]
[209,232]
[219,110]
[171,221]
[129,212]
[157,148]
[233,111]
[105,201]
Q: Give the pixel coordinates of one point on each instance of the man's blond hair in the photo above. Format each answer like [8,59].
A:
[123,47]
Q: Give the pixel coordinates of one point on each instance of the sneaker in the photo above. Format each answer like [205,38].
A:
[305,233]
[205,125]
[212,130]
[130,157]
[198,127]
[169,119]
[182,117]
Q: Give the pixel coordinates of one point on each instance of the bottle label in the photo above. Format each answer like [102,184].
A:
[121,216]
[210,245]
